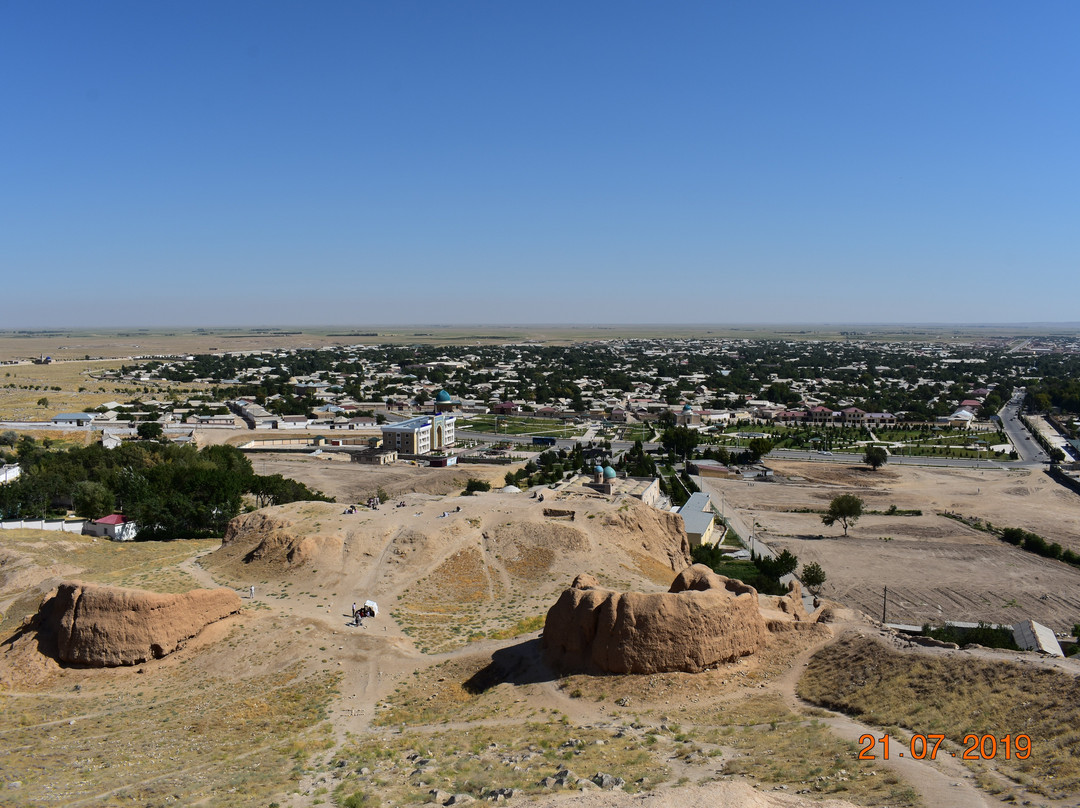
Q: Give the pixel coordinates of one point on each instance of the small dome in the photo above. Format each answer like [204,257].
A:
[610,473]
[443,397]
[687,408]
[598,470]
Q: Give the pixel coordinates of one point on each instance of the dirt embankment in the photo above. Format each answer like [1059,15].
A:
[106,626]
[702,620]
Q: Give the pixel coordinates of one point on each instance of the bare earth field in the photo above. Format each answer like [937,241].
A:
[355,482]
[936,568]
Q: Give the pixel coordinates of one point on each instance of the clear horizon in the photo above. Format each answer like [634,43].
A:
[798,164]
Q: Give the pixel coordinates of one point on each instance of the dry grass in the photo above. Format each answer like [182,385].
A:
[451,606]
[648,730]
[402,770]
[955,696]
[78,391]
[441,694]
[190,738]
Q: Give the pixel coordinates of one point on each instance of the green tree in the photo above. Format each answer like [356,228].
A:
[8,438]
[680,441]
[43,402]
[92,500]
[875,457]
[845,509]
[474,485]
[150,430]
[813,577]
[758,448]
[776,568]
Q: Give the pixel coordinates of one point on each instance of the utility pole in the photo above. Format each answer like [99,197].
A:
[884,603]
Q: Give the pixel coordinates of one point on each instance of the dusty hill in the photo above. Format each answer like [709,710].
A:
[106,626]
[450,578]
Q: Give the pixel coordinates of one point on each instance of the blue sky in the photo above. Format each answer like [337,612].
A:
[358,163]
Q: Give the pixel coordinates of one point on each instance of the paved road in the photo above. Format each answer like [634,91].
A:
[1026,446]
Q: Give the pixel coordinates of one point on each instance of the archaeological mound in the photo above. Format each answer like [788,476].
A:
[703,620]
[107,626]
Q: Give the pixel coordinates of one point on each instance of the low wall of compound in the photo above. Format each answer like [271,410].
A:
[61,525]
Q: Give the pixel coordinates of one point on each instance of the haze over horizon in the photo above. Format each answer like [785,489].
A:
[388,164]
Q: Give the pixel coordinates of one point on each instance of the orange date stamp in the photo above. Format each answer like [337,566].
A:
[921,747]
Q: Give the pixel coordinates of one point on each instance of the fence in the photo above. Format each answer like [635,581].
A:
[62,525]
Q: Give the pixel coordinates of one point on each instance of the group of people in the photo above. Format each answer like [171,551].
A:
[358,614]
[372,502]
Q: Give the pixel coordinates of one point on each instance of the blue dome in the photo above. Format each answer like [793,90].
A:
[443,397]
[687,408]
[598,470]
[610,473]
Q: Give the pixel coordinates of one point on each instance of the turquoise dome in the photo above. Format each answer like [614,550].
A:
[443,397]
[687,408]
[610,473]
[598,470]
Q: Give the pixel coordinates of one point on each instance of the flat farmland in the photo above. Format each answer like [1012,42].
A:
[936,568]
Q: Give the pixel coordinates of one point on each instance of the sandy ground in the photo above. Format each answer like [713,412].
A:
[355,482]
[935,568]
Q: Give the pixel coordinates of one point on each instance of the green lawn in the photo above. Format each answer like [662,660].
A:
[520,425]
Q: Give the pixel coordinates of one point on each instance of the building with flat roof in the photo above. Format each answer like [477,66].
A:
[421,435]
[76,418]
[698,519]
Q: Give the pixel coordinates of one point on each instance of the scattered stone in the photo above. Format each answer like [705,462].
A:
[607,781]
[438,796]
[460,799]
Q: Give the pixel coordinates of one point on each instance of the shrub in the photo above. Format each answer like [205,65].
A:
[474,485]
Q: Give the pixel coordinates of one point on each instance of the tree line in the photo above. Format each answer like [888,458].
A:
[170,491]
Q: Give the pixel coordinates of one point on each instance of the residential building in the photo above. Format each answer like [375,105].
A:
[698,519]
[115,526]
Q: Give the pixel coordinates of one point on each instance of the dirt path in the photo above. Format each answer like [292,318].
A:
[193,568]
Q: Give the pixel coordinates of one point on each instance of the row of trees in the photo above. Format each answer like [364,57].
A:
[170,491]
